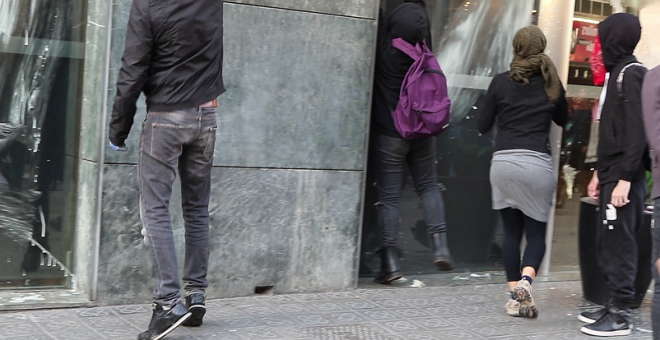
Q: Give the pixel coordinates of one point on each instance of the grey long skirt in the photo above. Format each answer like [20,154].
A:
[524,180]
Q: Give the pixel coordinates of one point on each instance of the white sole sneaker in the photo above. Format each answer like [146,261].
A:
[620,332]
[512,308]
[174,326]
[585,319]
[523,294]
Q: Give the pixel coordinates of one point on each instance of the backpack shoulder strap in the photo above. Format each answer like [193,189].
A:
[405,47]
[619,78]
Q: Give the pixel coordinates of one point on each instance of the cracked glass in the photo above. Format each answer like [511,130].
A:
[41,60]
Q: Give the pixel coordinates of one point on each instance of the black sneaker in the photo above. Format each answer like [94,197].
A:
[196,307]
[164,321]
[615,322]
[591,317]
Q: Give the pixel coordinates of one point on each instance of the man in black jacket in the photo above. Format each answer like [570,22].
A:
[619,181]
[173,54]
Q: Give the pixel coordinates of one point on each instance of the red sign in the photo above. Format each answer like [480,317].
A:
[582,45]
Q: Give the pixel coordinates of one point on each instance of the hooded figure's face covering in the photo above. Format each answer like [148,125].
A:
[619,35]
[409,22]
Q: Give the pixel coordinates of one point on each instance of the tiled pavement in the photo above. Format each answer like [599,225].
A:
[446,312]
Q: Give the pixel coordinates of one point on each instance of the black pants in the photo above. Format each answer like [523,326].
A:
[392,155]
[515,223]
[617,243]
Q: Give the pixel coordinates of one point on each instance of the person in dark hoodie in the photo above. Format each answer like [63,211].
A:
[619,179]
[391,153]
[651,110]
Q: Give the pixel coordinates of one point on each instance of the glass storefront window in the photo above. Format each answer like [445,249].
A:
[41,62]
[575,169]
[472,40]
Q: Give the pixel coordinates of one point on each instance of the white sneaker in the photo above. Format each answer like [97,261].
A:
[512,307]
[523,294]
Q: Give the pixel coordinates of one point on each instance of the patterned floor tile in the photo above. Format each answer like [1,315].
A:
[390,313]
[19,328]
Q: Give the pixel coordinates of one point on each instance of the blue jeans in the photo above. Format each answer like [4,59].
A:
[655,234]
[183,140]
[391,157]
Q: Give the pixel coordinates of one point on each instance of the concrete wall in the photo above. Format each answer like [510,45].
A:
[290,153]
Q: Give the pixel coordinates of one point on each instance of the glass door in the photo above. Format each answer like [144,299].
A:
[576,168]
[41,63]
[472,41]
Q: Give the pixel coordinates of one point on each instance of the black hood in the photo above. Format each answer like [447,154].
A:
[409,21]
[619,35]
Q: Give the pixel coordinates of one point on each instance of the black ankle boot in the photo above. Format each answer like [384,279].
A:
[389,266]
[441,253]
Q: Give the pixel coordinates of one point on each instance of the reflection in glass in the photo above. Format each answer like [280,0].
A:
[473,42]
[40,60]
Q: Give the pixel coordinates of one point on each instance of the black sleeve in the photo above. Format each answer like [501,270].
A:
[651,109]
[134,71]
[634,137]
[384,40]
[486,116]
[421,2]
[560,116]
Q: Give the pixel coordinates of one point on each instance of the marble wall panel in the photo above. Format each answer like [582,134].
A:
[354,8]
[93,79]
[84,240]
[268,228]
[298,89]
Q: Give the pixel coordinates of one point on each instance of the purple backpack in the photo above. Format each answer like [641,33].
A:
[423,108]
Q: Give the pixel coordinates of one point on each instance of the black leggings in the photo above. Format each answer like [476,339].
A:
[515,222]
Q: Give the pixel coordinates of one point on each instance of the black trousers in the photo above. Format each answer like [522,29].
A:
[617,243]
[515,224]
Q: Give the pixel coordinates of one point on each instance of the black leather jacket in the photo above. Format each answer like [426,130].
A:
[173,54]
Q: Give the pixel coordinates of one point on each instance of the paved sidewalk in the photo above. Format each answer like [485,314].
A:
[447,312]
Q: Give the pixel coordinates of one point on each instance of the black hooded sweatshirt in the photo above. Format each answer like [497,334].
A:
[622,141]
[410,22]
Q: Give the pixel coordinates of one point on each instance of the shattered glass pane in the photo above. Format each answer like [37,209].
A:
[41,65]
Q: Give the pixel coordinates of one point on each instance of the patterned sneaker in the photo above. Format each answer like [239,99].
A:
[512,307]
[593,316]
[615,322]
[197,307]
[523,294]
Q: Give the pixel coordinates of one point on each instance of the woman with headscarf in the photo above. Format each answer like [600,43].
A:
[391,153]
[522,103]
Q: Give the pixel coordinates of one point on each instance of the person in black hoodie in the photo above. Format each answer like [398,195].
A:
[391,153]
[619,179]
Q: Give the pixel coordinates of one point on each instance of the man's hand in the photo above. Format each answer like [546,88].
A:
[118,148]
[593,189]
[620,194]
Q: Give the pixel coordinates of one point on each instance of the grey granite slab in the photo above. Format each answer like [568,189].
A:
[298,90]
[355,8]
[85,226]
[92,91]
[294,230]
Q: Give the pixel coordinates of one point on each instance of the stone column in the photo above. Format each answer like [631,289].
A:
[556,21]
